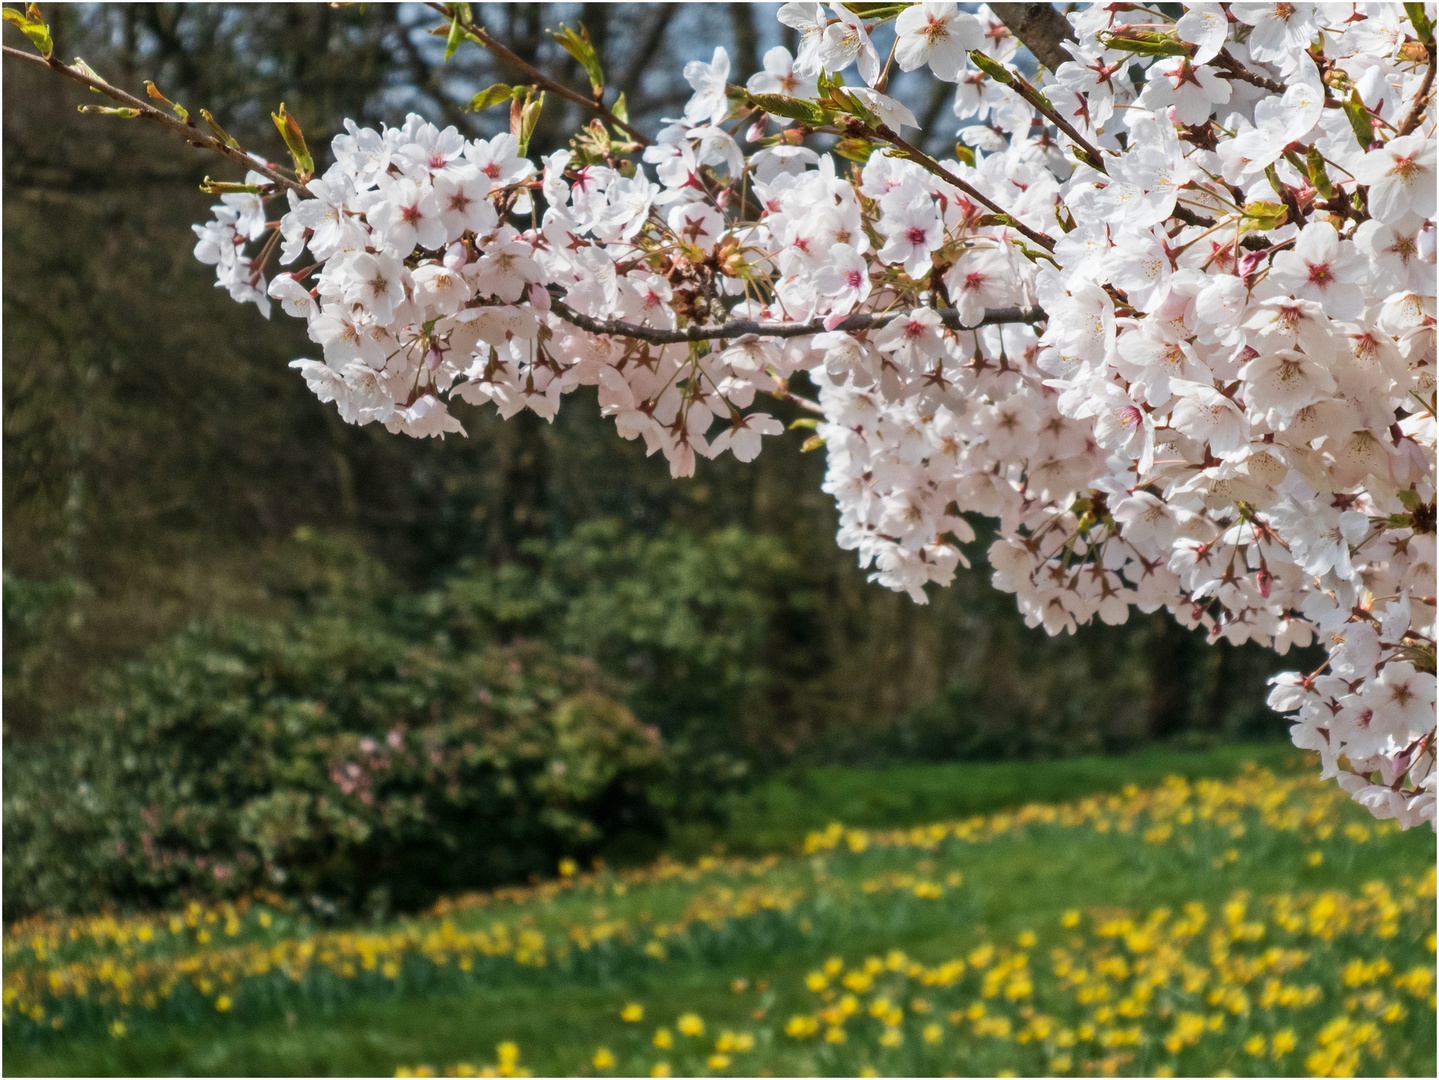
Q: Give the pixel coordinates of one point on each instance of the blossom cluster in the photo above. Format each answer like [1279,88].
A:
[1168,317]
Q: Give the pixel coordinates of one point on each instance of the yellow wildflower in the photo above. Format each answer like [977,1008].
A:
[632,1013]
[690,1024]
[604,1059]
[800,1027]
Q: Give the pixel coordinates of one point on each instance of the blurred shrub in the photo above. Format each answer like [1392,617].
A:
[708,632]
[333,759]
[381,748]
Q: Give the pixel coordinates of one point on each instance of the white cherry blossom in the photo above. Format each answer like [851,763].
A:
[1223,408]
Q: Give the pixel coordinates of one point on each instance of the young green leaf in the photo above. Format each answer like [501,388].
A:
[992,68]
[878,12]
[1423,25]
[791,108]
[582,49]
[85,69]
[529,119]
[1318,174]
[1359,120]
[33,27]
[225,187]
[220,133]
[855,149]
[1264,216]
[491,96]
[295,141]
[106,110]
[456,35]
[179,110]
[1144,42]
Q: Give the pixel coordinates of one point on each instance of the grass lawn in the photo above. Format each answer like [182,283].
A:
[776,815]
[958,922]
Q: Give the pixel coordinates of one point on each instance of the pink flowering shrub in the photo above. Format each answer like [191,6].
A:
[332,761]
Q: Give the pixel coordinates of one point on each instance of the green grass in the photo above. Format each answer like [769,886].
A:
[776,814]
[1016,880]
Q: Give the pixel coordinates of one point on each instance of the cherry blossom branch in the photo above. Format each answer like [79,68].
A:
[535,75]
[741,327]
[1037,101]
[1227,63]
[145,111]
[920,158]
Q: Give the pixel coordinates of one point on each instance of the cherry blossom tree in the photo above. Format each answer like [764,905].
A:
[1167,315]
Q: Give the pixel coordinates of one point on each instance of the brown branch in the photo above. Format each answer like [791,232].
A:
[542,80]
[187,130]
[919,157]
[1416,113]
[742,327]
[1227,64]
[1040,27]
[1226,61]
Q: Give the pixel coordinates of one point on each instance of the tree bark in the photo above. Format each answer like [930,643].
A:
[1040,28]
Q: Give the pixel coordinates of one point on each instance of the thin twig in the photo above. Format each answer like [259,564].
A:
[1417,112]
[742,327]
[187,130]
[1036,100]
[1227,62]
[540,79]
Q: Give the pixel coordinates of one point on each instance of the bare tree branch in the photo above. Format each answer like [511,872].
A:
[539,78]
[144,110]
[742,327]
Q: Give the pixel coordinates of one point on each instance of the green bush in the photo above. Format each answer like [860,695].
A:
[381,748]
[332,759]
[713,635]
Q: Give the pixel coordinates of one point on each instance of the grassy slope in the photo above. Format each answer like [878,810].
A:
[1009,887]
[776,815]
